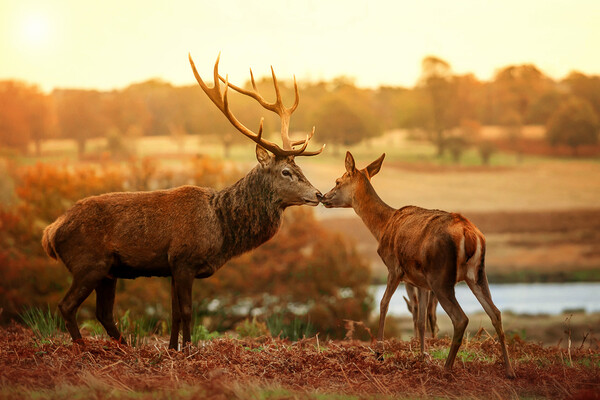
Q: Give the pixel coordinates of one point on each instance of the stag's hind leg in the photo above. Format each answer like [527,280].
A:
[105,301]
[83,284]
[481,290]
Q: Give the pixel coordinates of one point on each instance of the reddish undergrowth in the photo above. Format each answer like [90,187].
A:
[219,366]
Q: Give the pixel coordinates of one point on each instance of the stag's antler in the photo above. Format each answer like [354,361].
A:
[220,100]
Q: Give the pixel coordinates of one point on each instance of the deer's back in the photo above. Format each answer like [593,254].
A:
[138,230]
[416,239]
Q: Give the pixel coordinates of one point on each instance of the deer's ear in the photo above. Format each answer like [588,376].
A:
[375,166]
[350,165]
[263,156]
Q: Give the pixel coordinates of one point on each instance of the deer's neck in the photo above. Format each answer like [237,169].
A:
[374,212]
[248,213]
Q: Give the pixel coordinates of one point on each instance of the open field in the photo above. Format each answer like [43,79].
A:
[268,368]
[541,215]
[521,245]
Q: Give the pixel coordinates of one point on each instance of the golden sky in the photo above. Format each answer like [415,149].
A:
[110,44]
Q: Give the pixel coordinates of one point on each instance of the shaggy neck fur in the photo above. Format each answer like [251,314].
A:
[249,213]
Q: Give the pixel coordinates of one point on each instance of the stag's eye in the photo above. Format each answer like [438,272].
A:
[287,173]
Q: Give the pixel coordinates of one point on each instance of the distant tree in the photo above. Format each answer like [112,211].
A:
[436,83]
[486,148]
[127,111]
[340,124]
[585,87]
[512,126]
[80,115]
[518,87]
[575,123]
[25,115]
[541,110]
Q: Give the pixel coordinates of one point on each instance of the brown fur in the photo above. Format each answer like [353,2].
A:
[187,232]
[430,249]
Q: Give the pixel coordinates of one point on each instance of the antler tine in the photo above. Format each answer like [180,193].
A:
[297,100]
[313,153]
[222,103]
[308,137]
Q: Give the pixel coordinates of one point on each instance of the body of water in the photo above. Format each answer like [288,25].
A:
[520,298]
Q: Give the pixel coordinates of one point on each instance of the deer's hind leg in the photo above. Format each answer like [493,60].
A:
[422,308]
[85,280]
[431,314]
[393,281]
[481,290]
[105,301]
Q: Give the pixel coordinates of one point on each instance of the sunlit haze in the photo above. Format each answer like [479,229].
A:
[111,44]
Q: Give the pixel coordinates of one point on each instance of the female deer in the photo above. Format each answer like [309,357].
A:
[430,249]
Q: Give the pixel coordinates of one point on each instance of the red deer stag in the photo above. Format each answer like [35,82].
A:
[186,232]
[430,249]
[412,303]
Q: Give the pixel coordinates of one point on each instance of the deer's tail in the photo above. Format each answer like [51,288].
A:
[48,238]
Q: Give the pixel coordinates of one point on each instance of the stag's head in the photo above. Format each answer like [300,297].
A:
[353,183]
[288,181]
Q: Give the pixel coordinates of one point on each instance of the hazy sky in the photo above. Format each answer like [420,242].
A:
[110,44]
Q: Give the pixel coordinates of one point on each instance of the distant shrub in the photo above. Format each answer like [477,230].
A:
[251,328]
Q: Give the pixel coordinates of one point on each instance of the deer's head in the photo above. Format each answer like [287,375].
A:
[353,183]
[288,181]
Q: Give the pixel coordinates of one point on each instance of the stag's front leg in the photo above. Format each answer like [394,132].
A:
[175,317]
[183,287]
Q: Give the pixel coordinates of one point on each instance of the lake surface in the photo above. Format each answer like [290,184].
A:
[520,298]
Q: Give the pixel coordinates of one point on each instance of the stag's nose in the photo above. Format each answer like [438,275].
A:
[319,196]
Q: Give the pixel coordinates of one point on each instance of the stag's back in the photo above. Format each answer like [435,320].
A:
[138,230]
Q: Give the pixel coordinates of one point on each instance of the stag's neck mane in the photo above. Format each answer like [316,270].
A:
[248,212]
[374,212]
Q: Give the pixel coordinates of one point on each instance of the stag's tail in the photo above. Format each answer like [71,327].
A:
[48,238]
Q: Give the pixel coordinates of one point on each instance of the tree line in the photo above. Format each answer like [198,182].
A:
[446,108]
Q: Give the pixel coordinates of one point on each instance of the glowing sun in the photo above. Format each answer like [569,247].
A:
[35,30]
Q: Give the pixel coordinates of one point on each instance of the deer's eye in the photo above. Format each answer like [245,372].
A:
[287,173]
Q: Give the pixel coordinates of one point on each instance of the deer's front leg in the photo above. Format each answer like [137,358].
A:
[175,317]
[183,287]
[393,280]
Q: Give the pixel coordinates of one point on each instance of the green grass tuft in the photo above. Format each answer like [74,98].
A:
[45,324]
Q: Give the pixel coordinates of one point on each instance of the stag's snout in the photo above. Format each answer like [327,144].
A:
[314,201]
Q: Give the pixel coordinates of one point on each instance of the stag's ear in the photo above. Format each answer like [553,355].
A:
[263,156]
[350,165]
[375,166]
